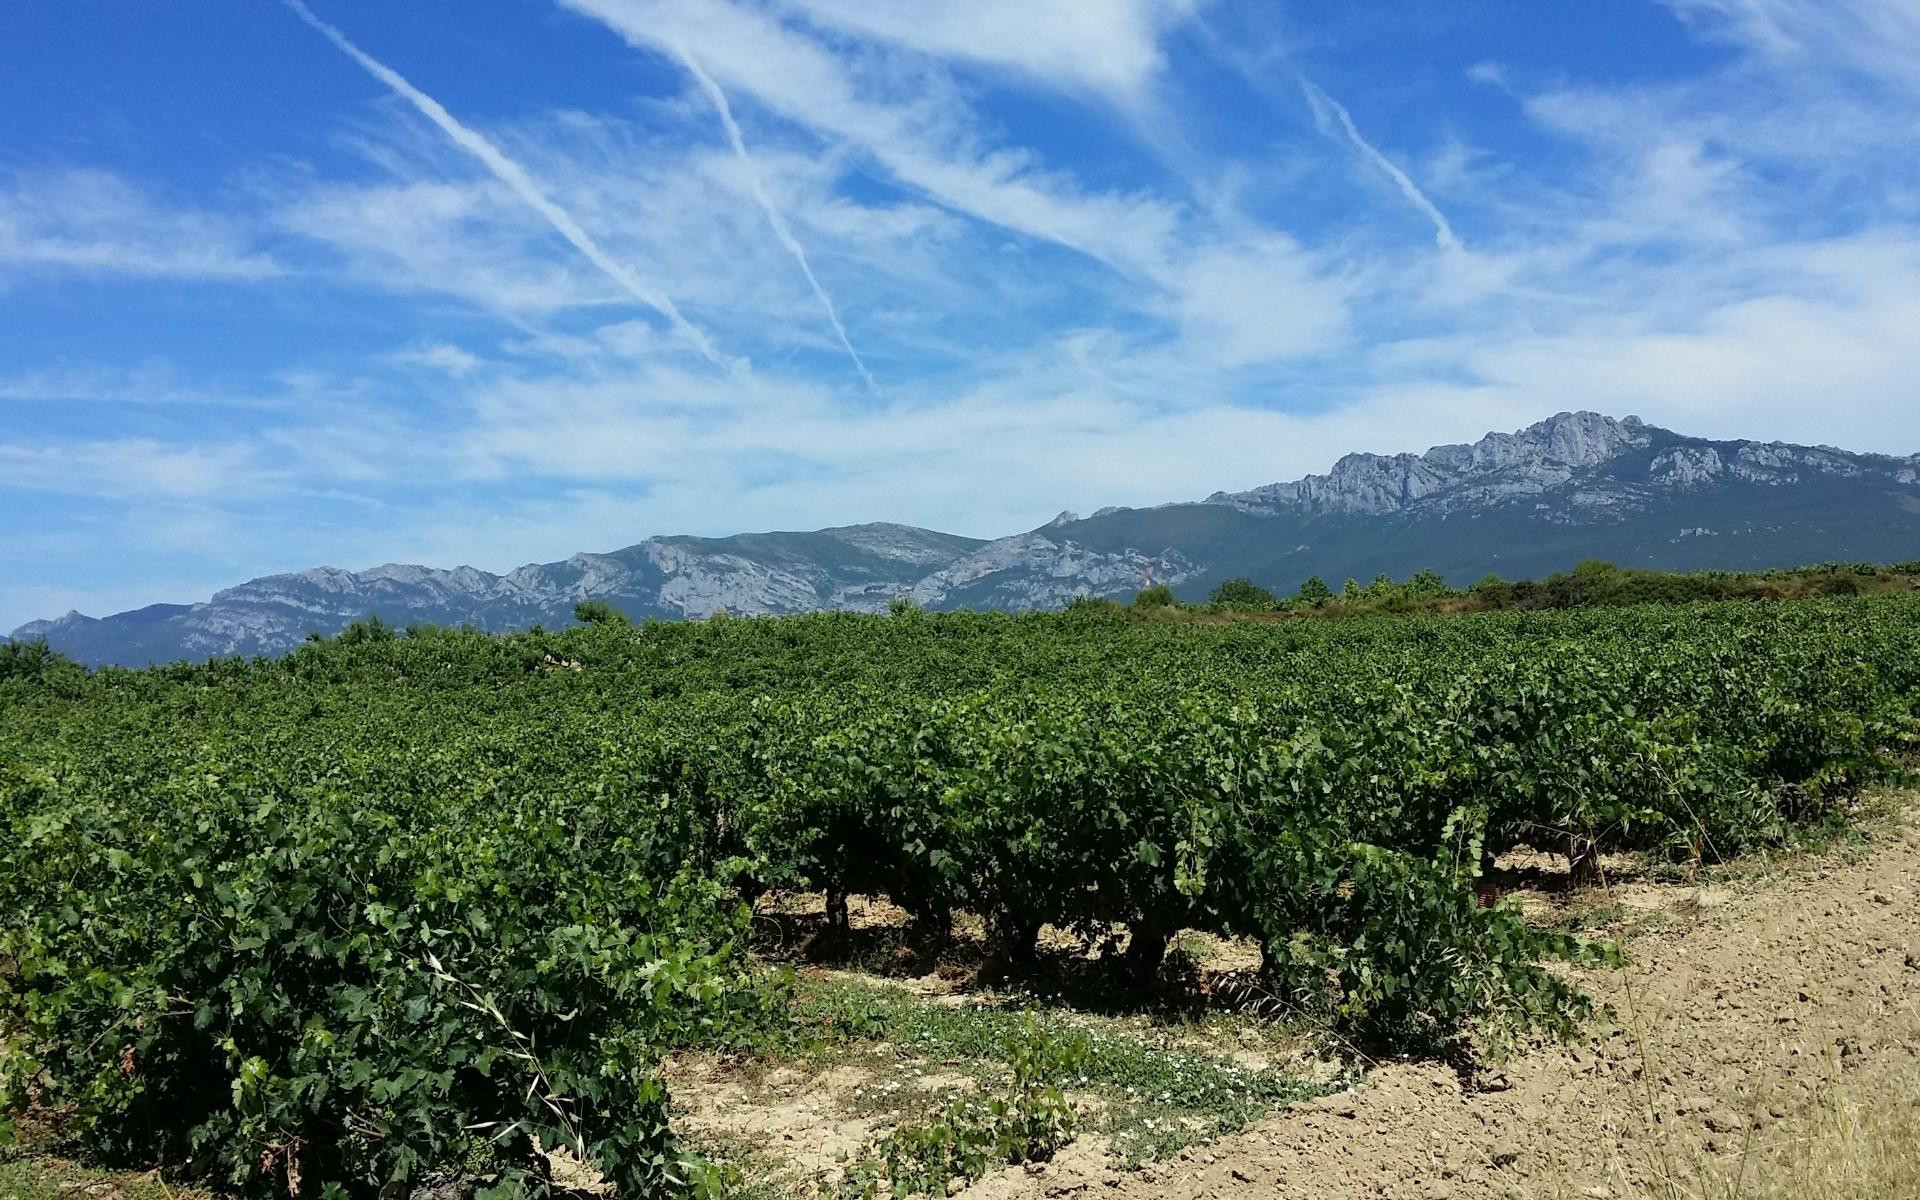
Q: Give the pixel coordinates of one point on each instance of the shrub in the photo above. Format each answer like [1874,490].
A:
[340,985]
[37,663]
[1243,594]
[599,612]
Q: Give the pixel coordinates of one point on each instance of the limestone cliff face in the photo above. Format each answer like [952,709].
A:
[1576,484]
[1036,570]
[1590,461]
[1499,466]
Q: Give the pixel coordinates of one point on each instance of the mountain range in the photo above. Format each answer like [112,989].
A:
[1577,485]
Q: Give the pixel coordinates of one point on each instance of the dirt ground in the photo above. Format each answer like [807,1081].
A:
[1742,1008]
[1751,1002]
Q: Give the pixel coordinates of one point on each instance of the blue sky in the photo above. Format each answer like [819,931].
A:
[490,282]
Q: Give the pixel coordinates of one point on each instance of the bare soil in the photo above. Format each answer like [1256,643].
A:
[1742,1008]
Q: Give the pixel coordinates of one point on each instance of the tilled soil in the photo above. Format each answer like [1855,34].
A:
[1737,1011]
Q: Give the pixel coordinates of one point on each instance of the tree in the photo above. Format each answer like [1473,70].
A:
[373,629]
[598,612]
[1315,590]
[34,660]
[1157,596]
[903,606]
[1243,593]
[1427,582]
[1083,604]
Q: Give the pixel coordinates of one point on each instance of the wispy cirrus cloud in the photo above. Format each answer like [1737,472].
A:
[439,356]
[1878,39]
[133,468]
[1110,47]
[528,189]
[469,239]
[91,222]
[1165,255]
[926,147]
[774,219]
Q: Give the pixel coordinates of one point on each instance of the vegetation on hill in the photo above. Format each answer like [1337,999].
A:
[1592,583]
[400,906]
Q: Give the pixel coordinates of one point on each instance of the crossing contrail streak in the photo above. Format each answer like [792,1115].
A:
[1323,105]
[515,176]
[779,223]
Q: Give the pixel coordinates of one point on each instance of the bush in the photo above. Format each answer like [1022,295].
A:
[1157,596]
[1403,956]
[37,663]
[599,612]
[1093,607]
[1243,594]
[341,985]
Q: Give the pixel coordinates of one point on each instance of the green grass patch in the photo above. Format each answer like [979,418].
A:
[1153,1093]
[25,1175]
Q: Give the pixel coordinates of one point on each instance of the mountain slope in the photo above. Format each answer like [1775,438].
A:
[858,567]
[1575,486]
[1579,485]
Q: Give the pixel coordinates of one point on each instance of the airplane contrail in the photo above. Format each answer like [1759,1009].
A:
[1323,104]
[515,176]
[779,223]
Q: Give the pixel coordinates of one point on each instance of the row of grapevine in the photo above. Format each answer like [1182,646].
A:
[393,906]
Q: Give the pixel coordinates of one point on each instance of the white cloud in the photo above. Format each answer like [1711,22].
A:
[132,468]
[1257,301]
[1659,179]
[93,222]
[1879,39]
[925,145]
[1106,46]
[683,206]
[149,385]
[1809,344]
[467,239]
[522,184]
[1278,301]
[439,356]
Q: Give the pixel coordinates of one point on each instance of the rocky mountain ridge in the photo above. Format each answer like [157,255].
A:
[1554,454]
[1576,485]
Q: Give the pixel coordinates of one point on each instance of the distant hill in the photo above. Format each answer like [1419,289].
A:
[1578,485]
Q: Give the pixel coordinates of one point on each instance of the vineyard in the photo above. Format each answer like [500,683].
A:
[395,907]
